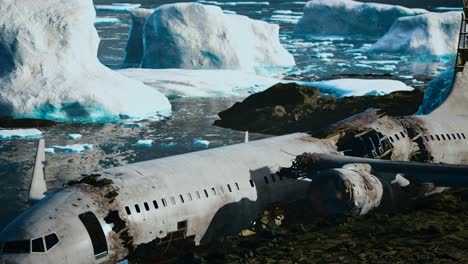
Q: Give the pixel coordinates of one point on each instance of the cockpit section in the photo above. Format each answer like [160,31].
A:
[36,245]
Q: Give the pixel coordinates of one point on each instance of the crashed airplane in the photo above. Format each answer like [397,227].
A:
[198,197]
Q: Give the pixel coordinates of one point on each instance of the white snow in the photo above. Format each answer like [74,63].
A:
[106,20]
[359,87]
[201,83]
[200,143]
[347,17]
[134,47]
[74,136]
[75,148]
[20,133]
[195,36]
[53,71]
[427,34]
[144,143]
[437,92]
[117,7]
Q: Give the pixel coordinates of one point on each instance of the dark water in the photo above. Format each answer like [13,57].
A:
[115,145]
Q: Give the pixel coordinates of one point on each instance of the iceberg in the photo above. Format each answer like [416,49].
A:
[20,133]
[106,20]
[117,7]
[76,148]
[53,72]
[74,136]
[358,87]
[199,143]
[196,36]
[437,91]
[201,83]
[144,143]
[427,34]
[347,17]
[134,47]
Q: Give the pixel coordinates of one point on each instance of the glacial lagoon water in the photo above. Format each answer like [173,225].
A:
[114,144]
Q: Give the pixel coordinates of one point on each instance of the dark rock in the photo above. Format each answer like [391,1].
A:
[8,122]
[288,108]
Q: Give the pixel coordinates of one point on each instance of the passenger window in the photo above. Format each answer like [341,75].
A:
[52,239]
[164,202]
[438,138]
[221,189]
[266,179]
[229,188]
[273,178]
[37,245]
[463,135]
[213,191]
[94,228]
[448,136]
[432,138]
[146,206]
[181,198]
[397,137]
[127,209]
[391,139]
[426,138]
[453,136]
[237,186]
[137,208]
[251,183]
[19,246]
[402,134]
[189,197]
[206,193]
[442,136]
[458,136]
[173,202]
[155,204]
[198,195]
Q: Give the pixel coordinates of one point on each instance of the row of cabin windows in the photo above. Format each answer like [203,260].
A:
[453,136]
[273,179]
[197,195]
[397,137]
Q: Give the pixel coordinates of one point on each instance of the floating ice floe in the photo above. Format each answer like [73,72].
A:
[447,9]
[199,143]
[49,150]
[74,136]
[233,3]
[437,91]
[117,7]
[106,20]
[144,143]
[284,18]
[286,12]
[294,3]
[324,55]
[53,72]
[76,148]
[363,66]
[201,83]
[195,36]
[343,65]
[427,34]
[406,77]
[359,87]
[132,125]
[229,12]
[20,133]
[347,17]
[441,69]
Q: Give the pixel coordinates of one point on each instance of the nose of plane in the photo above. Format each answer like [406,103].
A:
[58,229]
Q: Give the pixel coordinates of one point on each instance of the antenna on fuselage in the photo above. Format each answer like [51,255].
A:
[38,185]
[246,139]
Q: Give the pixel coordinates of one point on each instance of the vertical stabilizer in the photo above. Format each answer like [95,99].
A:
[38,184]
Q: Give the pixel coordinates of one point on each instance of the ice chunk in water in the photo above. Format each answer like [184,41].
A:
[20,133]
[75,148]
[144,143]
[201,143]
[74,136]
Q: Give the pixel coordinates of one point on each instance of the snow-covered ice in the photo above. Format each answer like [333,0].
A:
[437,91]
[201,83]
[134,47]
[75,148]
[347,17]
[200,143]
[359,87]
[117,7]
[74,136]
[144,143]
[53,71]
[195,36]
[106,20]
[20,133]
[427,34]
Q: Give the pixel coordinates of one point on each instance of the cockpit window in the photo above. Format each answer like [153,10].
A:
[37,245]
[96,234]
[51,240]
[19,246]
